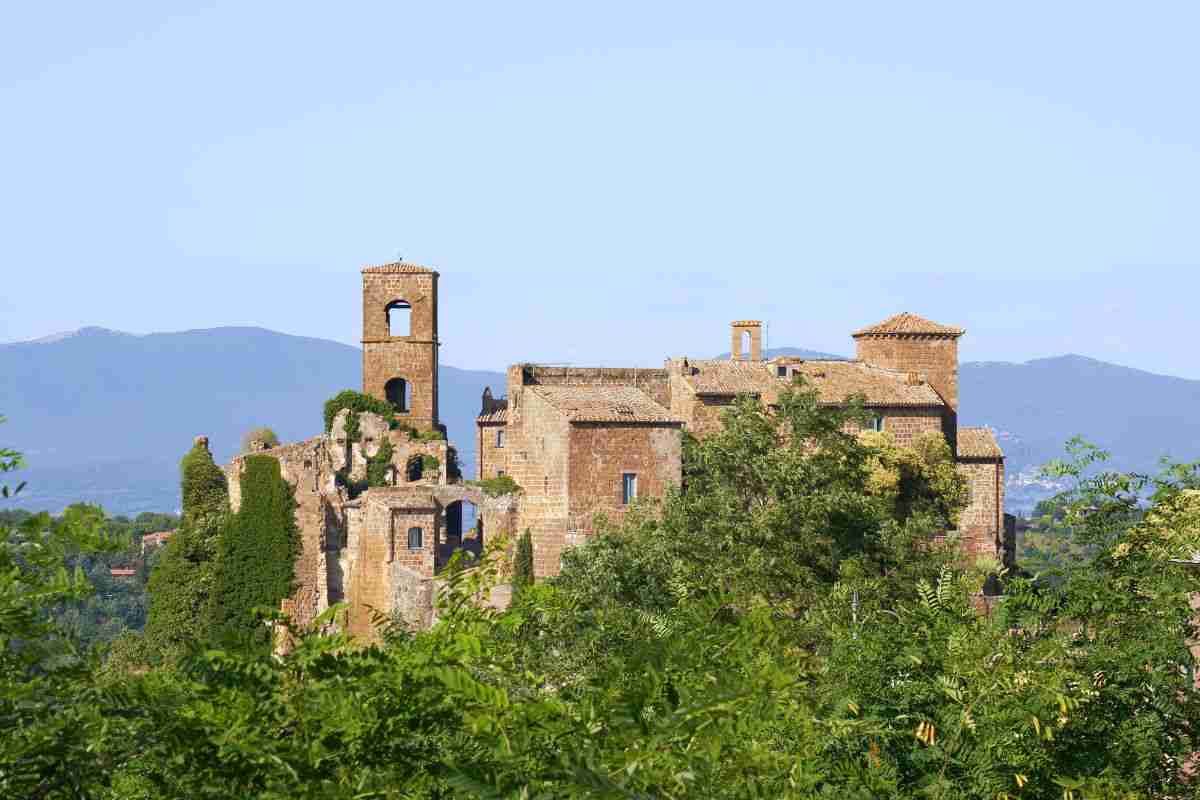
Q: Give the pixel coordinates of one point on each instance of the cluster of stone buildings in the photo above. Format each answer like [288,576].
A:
[578,441]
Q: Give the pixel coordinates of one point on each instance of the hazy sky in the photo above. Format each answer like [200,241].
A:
[613,184]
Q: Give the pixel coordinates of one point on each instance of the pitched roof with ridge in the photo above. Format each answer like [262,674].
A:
[978,443]
[398,268]
[907,324]
[604,404]
[834,381]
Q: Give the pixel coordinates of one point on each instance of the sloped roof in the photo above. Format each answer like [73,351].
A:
[909,324]
[604,404]
[497,413]
[834,381]
[398,268]
[978,443]
[837,380]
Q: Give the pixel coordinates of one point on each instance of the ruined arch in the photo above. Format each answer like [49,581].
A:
[398,392]
[399,318]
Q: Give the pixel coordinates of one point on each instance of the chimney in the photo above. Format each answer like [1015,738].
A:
[746,340]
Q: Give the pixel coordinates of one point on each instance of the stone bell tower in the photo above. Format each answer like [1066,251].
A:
[400,340]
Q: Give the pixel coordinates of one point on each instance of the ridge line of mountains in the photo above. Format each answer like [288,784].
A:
[103,416]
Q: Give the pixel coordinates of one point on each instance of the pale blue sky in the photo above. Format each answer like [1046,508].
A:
[610,184]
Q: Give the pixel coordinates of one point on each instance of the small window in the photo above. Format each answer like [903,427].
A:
[781,371]
[628,488]
[876,423]
[499,473]
[415,539]
[499,438]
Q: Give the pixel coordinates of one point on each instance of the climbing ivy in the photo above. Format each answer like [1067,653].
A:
[256,560]
[357,402]
[377,465]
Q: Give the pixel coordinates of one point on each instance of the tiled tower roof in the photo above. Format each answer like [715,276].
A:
[398,268]
[908,324]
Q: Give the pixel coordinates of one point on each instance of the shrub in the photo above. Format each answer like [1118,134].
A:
[377,465]
[357,402]
[260,434]
[498,486]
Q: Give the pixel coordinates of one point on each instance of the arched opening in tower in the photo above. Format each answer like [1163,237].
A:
[399,316]
[398,393]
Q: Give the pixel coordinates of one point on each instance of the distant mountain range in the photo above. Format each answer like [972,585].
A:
[104,416]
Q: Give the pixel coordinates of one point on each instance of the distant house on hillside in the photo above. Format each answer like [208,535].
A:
[154,540]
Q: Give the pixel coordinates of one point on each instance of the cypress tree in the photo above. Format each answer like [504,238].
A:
[256,559]
[523,563]
[180,586]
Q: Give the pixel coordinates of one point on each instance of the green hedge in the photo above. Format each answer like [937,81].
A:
[256,565]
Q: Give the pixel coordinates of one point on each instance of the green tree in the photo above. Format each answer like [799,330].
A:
[256,555]
[522,576]
[261,434]
[181,585]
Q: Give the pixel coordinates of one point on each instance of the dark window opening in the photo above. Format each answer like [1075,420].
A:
[399,317]
[500,438]
[876,423]
[781,371]
[398,393]
[628,488]
[415,539]
[416,468]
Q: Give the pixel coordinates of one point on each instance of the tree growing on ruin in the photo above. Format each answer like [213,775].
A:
[261,435]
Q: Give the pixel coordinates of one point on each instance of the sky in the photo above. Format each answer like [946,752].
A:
[610,183]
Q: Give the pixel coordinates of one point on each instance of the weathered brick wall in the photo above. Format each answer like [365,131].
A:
[538,462]
[412,357]
[935,357]
[492,460]
[905,423]
[382,556]
[981,524]
[602,453]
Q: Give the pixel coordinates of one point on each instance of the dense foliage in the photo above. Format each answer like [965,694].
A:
[256,555]
[498,486]
[181,585]
[781,626]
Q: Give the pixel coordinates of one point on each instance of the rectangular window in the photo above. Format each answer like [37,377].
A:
[415,538]
[628,488]
[500,437]
[877,422]
[781,371]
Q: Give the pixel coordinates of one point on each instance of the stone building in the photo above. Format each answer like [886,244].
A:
[582,443]
[905,369]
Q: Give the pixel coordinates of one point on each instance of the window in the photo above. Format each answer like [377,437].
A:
[876,423]
[415,537]
[398,393]
[399,317]
[500,437]
[781,371]
[499,473]
[628,488]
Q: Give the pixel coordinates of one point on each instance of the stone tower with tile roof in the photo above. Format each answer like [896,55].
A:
[400,340]
[929,351]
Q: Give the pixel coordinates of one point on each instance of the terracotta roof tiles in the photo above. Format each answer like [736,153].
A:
[909,324]
[604,404]
[978,443]
[398,268]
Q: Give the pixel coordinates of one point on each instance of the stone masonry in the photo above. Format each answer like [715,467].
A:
[584,444]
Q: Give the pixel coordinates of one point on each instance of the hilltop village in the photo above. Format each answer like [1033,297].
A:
[579,441]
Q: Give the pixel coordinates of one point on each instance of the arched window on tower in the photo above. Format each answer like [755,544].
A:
[399,314]
[398,393]
[746,346]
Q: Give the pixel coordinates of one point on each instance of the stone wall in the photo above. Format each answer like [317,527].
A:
[538,462]
[904,424]
[934,357]
[981,524]
[602,453]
